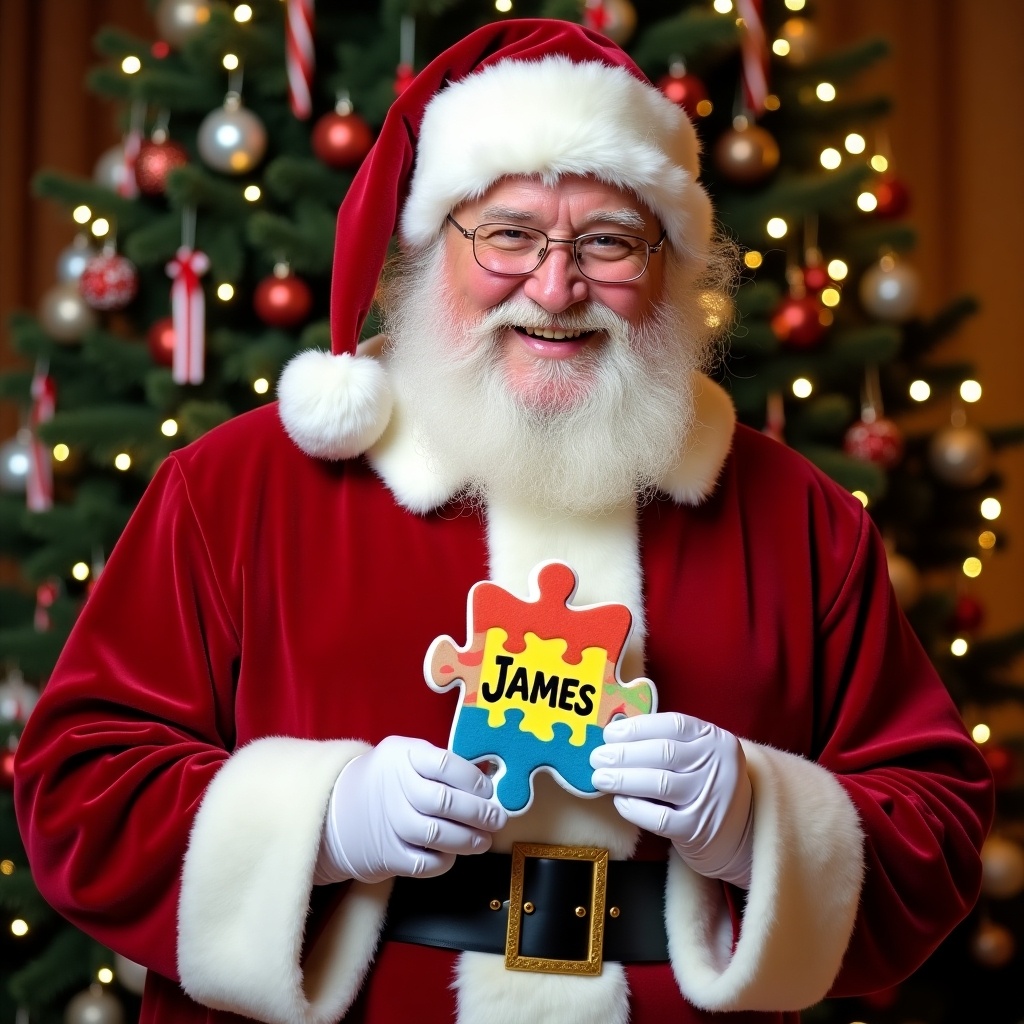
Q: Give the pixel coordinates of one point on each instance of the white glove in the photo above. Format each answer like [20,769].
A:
[405,808]
[684,779]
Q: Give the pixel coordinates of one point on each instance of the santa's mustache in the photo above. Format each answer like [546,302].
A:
[524,313]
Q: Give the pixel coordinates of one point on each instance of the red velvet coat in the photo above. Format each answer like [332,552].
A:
[265,615]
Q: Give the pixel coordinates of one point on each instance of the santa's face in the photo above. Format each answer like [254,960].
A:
[545,371]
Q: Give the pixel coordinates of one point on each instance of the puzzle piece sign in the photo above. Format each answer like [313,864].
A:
[539,682]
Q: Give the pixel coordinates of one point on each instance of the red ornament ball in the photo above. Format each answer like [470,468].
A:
[685,90]
[341,140]
[109,281]
[155,159]
[968,615]
[1002,764]
[282,301]
[816,278]
[893,197]
[797,321]
[160,341]
[878,441]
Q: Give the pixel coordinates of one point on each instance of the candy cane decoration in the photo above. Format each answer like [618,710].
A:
[188,312]
[300,56]
[128,186]
[755,55]
[39,484]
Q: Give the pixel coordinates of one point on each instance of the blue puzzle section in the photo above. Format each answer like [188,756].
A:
[522,753]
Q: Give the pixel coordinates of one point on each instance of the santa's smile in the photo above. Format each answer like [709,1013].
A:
[553,342]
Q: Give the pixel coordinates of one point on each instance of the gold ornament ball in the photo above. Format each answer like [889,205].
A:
[65,314]
[177,21]
[746,155]
[960,456]
[992,945]
[1002,868]
[905,579]
[802,37]
[620,23]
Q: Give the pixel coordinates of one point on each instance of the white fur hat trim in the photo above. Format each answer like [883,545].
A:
[555,117]
[333,407]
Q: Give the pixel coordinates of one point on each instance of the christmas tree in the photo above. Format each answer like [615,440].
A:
[202,261]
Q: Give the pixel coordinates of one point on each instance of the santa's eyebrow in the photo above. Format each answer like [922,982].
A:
[624,217]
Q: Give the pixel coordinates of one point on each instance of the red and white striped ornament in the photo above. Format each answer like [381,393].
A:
[300,56]
[188,311]
[39,483]
[109,281]
[754,50]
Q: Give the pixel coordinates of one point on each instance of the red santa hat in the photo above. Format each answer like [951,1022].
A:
[520,97]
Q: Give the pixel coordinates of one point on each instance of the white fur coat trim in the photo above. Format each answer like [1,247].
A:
[246,883]
[808,869]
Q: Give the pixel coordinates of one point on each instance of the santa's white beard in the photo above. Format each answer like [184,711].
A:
[576,436]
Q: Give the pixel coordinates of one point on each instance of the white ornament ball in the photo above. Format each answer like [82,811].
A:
[15,461]
[72,259]
[111,171]
[905,580]
[17,698]
[129,974]
[1002,868]
[889,290]
[177,21]
[94,1006]
[960,456]
[64,313]
[232,139]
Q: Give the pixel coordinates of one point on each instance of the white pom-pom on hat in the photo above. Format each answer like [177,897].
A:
[334,407]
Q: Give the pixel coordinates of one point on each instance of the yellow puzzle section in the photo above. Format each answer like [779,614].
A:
[541,684]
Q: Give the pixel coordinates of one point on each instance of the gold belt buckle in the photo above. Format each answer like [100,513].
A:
[514,960]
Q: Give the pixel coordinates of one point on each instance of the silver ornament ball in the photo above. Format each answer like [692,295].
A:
[111,170]
[905,580]
[17,698]
[64,313]
[14,462]
[232,139]
[72,259]
[960,456]
[177,21]
[129,974]
[94,1006]
[889,290]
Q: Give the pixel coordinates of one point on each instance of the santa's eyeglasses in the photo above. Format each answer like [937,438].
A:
[515,251]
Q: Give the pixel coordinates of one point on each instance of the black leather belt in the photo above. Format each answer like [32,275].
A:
[546,908]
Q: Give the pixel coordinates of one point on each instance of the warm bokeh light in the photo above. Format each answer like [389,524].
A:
[990,508]
[723,6]
[958,647]
[970,391]
[826,92]
[61,452]
[252,193]
[837,270]
[981,733]
[19,927]
[503,6]
[225,292]
[780,47]
[80,571]
[920,390]
[169,428]
[867,201]
[753,259]
[105,975]
[261,385]
[830,297]
[6,867]
[230,61]
[855,143]
[802,387]
[704,107]
[100,227]
[795,5]
[777,227]
[861,497]
[81,215]
[830,158]
[131,65]
[972,567]
[879,163]
[122,461]
[243,12]
[986,540]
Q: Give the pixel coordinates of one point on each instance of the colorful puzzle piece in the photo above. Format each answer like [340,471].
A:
[539,682]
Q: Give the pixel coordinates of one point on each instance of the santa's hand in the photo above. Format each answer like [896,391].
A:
[406,808]
[684,779]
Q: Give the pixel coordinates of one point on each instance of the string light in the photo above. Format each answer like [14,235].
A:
[958,648]
[771,102]
[723,6]
[243,13]
[122,461]
[981,733]
[990,508]
[777,227]
[920,390]
[81,215]
[61,452]
[861,497]
[225,292]
[80,571]
[970,391]
[503,6]
[780,47]
[19,927]
[825,91]
[6,867]
[837,270]
[100,227]
[131,65]
[830,296]
[252,193]
[261,385]
[795,5]
[230,62]
[830,158]
[879,163]
[867,201]
[105,975]
[802,387]
[753,259]
[972,567]
[986,540]
[169,428]
[854,143]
